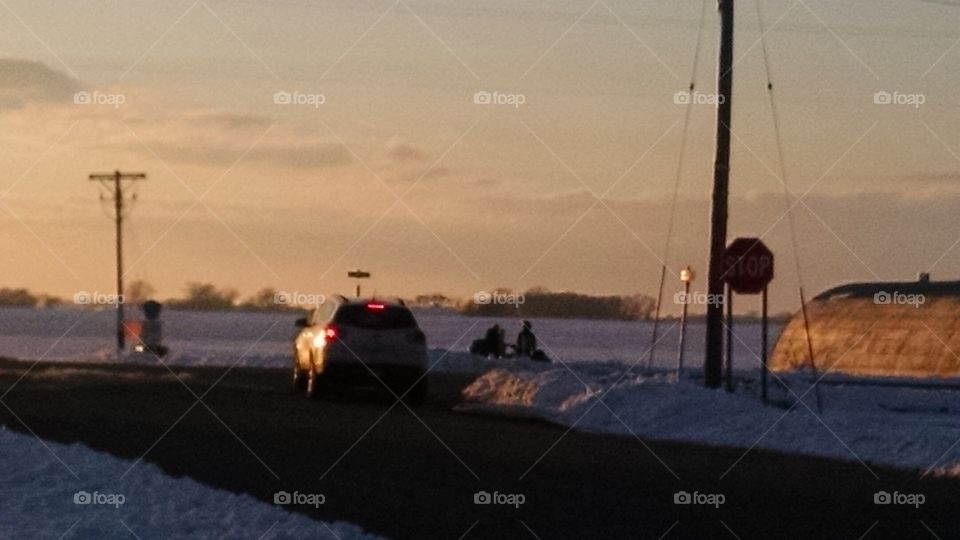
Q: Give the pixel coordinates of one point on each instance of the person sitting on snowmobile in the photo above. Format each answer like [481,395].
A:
[526,341]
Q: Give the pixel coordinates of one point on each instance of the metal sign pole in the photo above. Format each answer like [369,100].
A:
[729,300]
[763,346]
[686,275]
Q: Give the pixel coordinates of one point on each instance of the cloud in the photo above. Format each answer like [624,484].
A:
[279,153]
[26,81]
[405,152]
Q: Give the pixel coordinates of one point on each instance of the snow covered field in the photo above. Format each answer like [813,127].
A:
[263,339]
[59,491]
[903,427]
[603,390]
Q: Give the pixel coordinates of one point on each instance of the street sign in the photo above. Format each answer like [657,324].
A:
[359,274]
[747,266]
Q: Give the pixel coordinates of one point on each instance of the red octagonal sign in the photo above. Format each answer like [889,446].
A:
[747,266]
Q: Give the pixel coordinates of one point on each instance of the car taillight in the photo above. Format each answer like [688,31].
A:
[373,306]
[417,337]
[329,334]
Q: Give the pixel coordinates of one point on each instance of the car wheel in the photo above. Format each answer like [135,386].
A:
[299,380]
[313,384]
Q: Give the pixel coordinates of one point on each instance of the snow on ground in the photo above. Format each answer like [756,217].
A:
[264,339]
[113,498]
[894,425]
[904,427]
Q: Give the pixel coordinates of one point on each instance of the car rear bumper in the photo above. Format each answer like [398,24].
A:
[357,373]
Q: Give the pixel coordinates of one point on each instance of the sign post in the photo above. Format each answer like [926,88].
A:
[358,275]
[686,276]
[748,269]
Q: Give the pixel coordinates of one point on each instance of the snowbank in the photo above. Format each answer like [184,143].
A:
[904,427]
[42,499]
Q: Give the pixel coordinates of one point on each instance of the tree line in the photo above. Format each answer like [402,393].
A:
[501,302]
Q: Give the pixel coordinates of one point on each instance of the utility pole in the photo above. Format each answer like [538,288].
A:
[117,178]
[713,363]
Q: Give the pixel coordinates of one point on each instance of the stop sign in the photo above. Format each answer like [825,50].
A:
[747,266]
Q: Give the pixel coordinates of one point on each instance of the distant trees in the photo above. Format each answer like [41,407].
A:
[500,302]
[540,302]
[266,299]
[17,298]
[433,300]
[205,297]
[138,292]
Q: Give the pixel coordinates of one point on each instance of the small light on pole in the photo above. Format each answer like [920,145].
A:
[686,276]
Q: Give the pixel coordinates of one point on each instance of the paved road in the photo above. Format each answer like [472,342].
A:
[406,475]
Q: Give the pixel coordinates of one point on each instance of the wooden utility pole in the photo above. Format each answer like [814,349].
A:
[117,178]
[713,363]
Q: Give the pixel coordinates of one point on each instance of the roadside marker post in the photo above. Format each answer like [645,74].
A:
[358,275]
[686,276]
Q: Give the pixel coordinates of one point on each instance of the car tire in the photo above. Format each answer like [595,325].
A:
[299,379]
[313,385]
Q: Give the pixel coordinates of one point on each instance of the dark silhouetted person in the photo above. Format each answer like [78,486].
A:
[152,333]
[526,341]
[494,341]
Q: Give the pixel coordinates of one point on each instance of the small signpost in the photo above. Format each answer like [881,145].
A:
[358,275]
[747,269]
[686,276]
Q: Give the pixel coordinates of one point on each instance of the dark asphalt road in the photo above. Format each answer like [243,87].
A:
[414,476]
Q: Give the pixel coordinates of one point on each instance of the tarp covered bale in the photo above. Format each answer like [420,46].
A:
[895,329]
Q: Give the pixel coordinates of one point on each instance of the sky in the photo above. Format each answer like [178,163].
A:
[386,158]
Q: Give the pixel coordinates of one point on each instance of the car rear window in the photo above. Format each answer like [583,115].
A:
[391,317]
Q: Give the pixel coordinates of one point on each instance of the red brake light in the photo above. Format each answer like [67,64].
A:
[376,307]
[330,333]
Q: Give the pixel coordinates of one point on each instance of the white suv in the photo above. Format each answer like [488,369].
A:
[352,341]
